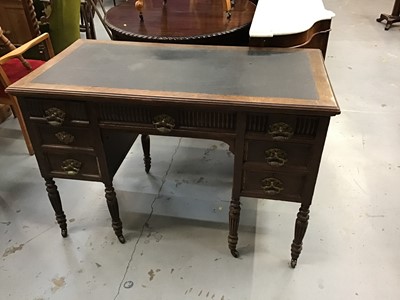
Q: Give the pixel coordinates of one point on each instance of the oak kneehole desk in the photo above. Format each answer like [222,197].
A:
[86,107]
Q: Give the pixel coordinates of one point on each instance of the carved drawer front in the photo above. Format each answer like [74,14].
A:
[285,186]
[280,127]
[278,155]
[56,112]
[166,119]
[73,165]
[66,136]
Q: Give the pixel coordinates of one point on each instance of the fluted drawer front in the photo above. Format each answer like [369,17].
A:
[73,165]
[277,154]
[272,185]
[281,127]
[66,136]
[42,109]
[168,117]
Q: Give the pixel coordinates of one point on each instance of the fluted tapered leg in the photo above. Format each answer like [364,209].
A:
[112,204]
[146,152]
[299,232]
[234,216]
[55,200]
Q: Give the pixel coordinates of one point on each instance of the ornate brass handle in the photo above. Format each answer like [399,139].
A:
[276,157]
[272,186]
[71,166]
[65,137]
[54,116]
[164,123]
[280,131]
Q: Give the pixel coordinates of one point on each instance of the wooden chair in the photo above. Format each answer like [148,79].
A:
[18,20]
[13,66]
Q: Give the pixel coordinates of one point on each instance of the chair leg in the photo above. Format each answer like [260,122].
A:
[17,112]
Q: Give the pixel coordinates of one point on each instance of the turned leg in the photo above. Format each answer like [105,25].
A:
[55,201]
[146,152]
[299,232]
[112,204]
[234,216]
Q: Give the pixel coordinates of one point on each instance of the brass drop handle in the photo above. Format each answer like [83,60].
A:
[164,123]
[71,166]
[65,137]
[272,186]
[280,131]
[276,157]
[54,116]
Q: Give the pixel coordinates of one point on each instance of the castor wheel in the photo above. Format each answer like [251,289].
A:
[293,263]
[235,253]
[64,233]
[121,239]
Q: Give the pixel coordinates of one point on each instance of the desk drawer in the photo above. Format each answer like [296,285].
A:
[67,136]
[281,127]
[72,165]
[285,186]
[277,154]
[56,112]
[168,118]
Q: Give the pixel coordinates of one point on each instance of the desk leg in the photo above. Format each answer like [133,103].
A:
[299,232]
[112,204]
[55,200]
[234,216]
[146,152]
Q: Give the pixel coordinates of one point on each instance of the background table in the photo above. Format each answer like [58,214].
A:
[182,21]
[392,18]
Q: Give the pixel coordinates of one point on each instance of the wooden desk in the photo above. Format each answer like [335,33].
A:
[272,106]
[182,21]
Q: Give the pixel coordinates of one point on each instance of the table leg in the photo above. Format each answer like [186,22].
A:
[146,152]
[55,200]
[234,216]
[299,232]
[393,18]
[112,204]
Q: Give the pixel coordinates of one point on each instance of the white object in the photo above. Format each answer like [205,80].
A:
[282,17]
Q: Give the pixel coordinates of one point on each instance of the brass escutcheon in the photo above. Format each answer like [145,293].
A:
[276,157]
[280,131]
[164,123]
[54,116]
[71,166]
[65,137]
[272,186]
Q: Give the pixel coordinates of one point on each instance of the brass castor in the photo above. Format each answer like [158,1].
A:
[121,239]
[235,253]
[293,263]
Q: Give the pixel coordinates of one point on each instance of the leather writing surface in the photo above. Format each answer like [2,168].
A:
[241,72]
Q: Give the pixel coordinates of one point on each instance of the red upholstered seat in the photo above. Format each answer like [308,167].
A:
[15,70]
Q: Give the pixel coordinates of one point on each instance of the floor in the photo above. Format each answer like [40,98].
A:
[175,219]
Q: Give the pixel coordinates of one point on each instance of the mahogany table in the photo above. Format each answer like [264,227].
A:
[182,21]
[271,106]
[392,18]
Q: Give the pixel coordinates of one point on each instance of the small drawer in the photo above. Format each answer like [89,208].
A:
[270,185]
[56,112]
[66,136]
[281,127]
[73,165]
[277,154]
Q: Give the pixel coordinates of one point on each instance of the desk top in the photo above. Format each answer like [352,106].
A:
[204,75]
[285,17]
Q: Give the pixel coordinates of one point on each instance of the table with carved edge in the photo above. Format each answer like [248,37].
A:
[271,106]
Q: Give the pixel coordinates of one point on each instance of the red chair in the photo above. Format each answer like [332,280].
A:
[13,67]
